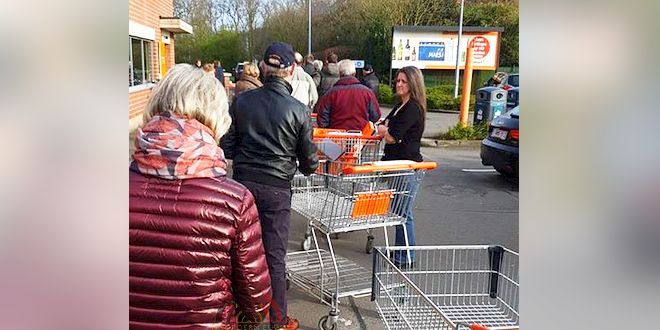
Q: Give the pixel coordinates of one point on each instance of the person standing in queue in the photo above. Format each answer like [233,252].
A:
[402,132]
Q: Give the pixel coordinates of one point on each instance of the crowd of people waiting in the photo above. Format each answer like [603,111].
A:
[206,251]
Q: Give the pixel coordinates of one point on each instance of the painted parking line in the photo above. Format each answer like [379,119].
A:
[478,170]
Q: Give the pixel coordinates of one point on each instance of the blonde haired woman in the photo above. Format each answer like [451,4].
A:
[196,258]
[249,79]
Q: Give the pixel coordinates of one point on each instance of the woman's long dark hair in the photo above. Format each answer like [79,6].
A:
[417,88]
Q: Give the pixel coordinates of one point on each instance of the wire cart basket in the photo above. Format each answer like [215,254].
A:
[358,198]
[449,287]
[339,148]
[354,147]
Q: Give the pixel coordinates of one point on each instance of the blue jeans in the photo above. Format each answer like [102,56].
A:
[401,257]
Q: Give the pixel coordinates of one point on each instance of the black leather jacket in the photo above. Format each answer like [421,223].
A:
[269,131]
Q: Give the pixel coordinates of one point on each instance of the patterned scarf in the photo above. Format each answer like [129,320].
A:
[173,147]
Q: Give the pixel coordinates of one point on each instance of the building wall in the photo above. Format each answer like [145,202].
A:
[148,12]
[137,101]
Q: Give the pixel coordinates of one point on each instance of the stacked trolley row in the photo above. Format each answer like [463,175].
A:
[450,287]
[345,197]
[339,148]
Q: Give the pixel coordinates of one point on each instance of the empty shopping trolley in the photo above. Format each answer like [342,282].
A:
[449,287]
[357,198]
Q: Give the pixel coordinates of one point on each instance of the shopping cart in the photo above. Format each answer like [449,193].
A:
[337,149]
[354,147]
[358,198]
[449,287]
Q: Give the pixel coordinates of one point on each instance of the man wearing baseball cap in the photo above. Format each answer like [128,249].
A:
[270,130]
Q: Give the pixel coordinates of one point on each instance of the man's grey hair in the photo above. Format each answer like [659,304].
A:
[270,71]
[189,91]
[318,64]
[346,68]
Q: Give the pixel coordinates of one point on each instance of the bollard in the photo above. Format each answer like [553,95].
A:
[467,86]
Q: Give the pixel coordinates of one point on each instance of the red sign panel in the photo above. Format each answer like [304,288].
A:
[481,47]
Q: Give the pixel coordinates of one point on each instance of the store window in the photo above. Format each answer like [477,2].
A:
[139,62]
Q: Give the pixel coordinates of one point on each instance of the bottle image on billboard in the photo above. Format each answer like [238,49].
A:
[414,55]
[407,51]
[399,55]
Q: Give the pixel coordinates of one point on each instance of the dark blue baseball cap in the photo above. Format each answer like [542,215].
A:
[279,55]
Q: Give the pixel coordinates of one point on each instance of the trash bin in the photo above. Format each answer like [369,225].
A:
[512,97]
[491,102]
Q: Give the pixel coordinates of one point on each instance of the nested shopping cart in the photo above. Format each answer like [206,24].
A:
[359,197]
[353,147]
[337,149]
[449,287]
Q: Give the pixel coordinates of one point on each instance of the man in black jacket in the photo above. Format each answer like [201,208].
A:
[270,130]
[370,80]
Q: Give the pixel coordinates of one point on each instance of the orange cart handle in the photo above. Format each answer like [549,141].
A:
[325,131]
[345,135]
[390,165]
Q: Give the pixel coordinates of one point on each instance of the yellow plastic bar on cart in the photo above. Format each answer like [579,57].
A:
[372,203]
[389,165]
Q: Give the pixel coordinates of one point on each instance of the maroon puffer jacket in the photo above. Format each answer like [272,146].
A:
[196,255]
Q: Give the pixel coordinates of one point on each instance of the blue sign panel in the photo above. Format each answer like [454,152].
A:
[431,51]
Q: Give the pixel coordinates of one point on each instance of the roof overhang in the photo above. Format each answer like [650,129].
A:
[175,25]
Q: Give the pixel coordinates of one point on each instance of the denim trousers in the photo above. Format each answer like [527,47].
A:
[274,206]
[401,257]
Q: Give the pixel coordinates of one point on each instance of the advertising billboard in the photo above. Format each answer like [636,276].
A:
[435,47]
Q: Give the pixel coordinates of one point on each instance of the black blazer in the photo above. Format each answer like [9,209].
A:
[406,127]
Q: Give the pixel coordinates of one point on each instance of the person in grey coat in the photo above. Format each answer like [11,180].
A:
[304,89]
[329,74]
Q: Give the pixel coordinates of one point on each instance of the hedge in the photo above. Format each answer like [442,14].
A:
[437,97]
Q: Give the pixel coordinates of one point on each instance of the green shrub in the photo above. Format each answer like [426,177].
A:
[442,97]
[385,95]
[469,132]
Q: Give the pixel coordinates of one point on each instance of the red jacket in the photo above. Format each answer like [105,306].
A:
[347,105]
[195,249]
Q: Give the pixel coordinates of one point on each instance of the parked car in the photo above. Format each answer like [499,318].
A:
[500,147]
[504,80]
[238,70]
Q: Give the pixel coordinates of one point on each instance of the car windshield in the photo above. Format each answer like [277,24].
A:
[513,80]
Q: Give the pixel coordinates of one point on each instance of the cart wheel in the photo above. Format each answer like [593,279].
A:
[370,244]
[306,243]
[323,324]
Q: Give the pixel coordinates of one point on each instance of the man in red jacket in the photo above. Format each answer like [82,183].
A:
[348,104]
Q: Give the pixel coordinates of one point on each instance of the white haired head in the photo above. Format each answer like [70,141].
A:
[318,64]
[299,58]
[191,92]
[346,68]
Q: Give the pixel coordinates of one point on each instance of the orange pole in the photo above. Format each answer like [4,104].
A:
[467,86]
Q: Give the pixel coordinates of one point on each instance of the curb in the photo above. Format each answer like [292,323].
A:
[433,143]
